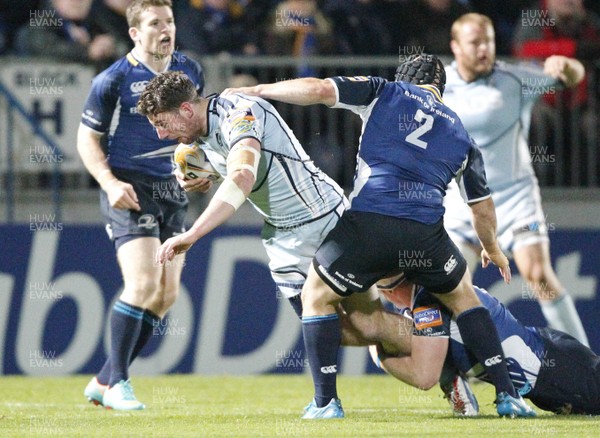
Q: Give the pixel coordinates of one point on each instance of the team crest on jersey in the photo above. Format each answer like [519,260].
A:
[241,122]
[425,317]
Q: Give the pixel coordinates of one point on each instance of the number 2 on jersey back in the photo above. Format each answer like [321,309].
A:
[414,137]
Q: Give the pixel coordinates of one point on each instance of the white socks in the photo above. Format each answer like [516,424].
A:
[562,315]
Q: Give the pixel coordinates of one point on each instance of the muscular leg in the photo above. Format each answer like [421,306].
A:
[322,335]
[162,289]
[533,262]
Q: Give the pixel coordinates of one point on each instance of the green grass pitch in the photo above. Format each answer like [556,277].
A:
[252,406]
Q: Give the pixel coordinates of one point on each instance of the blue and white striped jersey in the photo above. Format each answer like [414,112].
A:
[496,111]
[522,346]
[411,147]
[289,189]
[111,108]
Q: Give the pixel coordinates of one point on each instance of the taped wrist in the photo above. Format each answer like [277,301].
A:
[230,193]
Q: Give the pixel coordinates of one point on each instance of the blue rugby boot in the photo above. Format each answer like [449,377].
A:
[332,410]
[512,407]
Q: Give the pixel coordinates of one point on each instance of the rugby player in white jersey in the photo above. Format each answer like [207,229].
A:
[494,101]
[248,142]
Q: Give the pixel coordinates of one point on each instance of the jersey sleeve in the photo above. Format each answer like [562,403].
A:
[199,76]
[430,318]
[101,102]
[534,82]
[354,92]
[244,120]
[472,181]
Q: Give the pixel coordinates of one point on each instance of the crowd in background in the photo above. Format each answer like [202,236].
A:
[96,32]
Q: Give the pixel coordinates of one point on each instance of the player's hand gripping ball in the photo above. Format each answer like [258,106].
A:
[192,162]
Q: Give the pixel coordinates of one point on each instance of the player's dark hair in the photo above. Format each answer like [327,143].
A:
[423,69]
[166,92]
[135,9]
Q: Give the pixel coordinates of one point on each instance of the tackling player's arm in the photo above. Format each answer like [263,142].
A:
[422,369]
[305,91]
[242,168]
[120,194]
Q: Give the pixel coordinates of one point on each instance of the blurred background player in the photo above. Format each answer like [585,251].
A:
[261,160]
[140,199]
[552,369]
[395,221]
[494,102]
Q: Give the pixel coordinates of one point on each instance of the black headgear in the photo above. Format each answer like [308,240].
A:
[423,69]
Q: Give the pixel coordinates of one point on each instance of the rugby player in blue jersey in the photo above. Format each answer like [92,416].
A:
[140,199]
[395,220]
[551,368]
[494,101]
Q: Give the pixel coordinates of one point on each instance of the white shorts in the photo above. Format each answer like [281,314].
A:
[291,250]
[521,220]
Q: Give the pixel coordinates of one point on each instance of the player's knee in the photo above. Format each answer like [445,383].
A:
[534,273]
[141,289]
[426,382]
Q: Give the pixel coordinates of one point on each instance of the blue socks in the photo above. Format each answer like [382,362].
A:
[125,326]
[149,321]
[322,338]
[480,336]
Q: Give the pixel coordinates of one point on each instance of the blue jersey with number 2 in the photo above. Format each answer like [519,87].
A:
[411,147]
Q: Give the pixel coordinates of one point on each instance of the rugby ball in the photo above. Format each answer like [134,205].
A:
[192,162]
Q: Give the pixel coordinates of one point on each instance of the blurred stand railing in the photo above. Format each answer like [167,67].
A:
[12,107]
[564,144]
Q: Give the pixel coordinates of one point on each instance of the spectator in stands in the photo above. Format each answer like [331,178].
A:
[360,27]
[11,18]
[208,27]
[561,27]
[111,16]
[299,28]
[427,26]
[64,30]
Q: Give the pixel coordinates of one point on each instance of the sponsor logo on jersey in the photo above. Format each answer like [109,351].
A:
[450,265]
[427,317]
[147,221]
[495,360]
[138,87]
[331,369]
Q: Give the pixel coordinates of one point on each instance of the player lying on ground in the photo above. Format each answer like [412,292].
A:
[551,368]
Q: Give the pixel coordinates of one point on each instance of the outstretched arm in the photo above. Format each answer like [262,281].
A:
[241,176]
[305,91]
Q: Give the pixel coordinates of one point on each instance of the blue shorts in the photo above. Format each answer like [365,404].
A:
[163,207]
[365,247]
[569,378]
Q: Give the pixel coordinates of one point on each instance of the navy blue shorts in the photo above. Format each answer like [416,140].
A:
[569,379]
[163,207]
[364,247]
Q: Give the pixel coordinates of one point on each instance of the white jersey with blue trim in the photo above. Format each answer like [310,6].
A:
[523,348]
[496,111]
[289,189]
[111,109]
[411,146]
